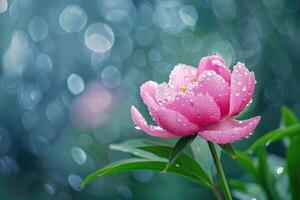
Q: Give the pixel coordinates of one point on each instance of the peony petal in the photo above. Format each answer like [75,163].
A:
[215,63]
[147,90]
[242,88]
[199,109]
[170,120]
[175,123]
[182,76]
[141,123]
[229,130]
[164,94]
[212,83]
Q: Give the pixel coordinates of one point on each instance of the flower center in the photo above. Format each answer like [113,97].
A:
[183,89]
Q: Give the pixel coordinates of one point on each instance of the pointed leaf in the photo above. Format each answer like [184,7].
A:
[131,147]
[247,163]
[161,153]
[288,118]
[274,136]
[200,151]
[293,166]
[139,164]
[181,144]
[265,177]
[228,148]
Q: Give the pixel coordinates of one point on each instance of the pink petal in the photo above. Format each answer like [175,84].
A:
[199,109]
[147,90]
[141,123]
[212,83]
[242,88]
[164,93]
[182,76]
[229,130]
[175,123]
[170,120]
[215,63]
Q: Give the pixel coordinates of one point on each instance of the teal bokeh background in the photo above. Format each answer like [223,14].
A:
[71,69]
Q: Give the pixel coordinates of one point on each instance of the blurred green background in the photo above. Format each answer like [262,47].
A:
[71,69]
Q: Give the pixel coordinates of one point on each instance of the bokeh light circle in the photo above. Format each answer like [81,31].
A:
[111,76]
[72,19]
[75,84]
[38,28]
[99,37]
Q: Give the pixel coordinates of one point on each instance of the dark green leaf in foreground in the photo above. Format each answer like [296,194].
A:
[228,148]
[248,164]
[155,158]
[142,164]
[200,151]
[132,147]
[274,136]
[293,167]
[288,118]
[178,148]
[265,178]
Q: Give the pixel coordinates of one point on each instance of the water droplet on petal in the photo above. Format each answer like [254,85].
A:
[244,88]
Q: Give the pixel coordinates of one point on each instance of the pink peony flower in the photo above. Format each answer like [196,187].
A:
[203,101]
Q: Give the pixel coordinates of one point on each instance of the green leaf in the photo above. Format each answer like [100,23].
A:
[139,148]
[200,151]
[131,147]
[278,170]
[178,148]
[293,167]
[142,164]
[274,136]
[265,178]
[184,166]
[247,163]
[228,148]
[183,160]
[288,118]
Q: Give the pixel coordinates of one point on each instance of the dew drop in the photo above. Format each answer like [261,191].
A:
[244,88]
[279,170]
[268,143]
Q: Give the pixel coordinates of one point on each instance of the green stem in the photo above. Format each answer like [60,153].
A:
[220,171]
